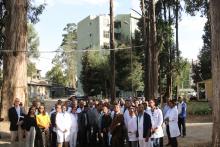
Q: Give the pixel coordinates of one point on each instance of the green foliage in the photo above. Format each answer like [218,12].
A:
[95,73]
[56,75]
[31,69]
[194,6]
[183,76]
[33,42]
[202,67]
[34,11]
[66,55]
[199,108]
[127,72]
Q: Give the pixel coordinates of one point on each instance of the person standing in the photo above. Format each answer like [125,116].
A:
[171,118]
[16,116]
[132,127]
[165,110]
[43,123]
[53,130]
[144,127]
[182,116]
[105,126]
[74,127]
[92,131]
[30,125]
[83,126]
[63,125]
[118,129]
[157,121]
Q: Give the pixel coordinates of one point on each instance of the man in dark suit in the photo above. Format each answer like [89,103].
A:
[144,127]
[83,127]
[118,129]
[16,115]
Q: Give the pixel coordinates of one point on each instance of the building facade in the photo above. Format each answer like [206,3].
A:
[93,31]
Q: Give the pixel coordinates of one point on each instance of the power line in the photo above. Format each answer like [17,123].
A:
[75,50]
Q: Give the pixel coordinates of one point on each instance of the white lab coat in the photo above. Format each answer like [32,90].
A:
[132,128]
[63,122]
[157,121]
[172,114]
[73,129]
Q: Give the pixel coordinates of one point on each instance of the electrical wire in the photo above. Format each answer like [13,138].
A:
[74,50]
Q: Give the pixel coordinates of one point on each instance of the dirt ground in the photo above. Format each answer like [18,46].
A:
[198,132]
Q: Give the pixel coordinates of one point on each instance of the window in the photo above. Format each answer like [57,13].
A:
[118,36]
[117,24]
[106,45]
[106,34]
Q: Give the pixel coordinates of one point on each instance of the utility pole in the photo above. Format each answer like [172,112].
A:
[112,53]
[146,52]
[177,37]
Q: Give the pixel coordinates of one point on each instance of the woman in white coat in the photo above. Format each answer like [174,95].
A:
[171,118]
[63,124]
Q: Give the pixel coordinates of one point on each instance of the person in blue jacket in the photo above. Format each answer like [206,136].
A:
[182,116]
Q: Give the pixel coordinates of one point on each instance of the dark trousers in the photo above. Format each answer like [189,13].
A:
[53,139]
[182,125]
[133,143]
[155,142]
[105,140]
[168,133]
[161,141]
[173,142]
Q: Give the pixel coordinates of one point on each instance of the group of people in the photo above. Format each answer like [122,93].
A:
[93,123]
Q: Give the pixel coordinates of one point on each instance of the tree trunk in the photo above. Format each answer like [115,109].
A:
[146,51]
[215,29]
[154,52]
[14,61]
[112,53]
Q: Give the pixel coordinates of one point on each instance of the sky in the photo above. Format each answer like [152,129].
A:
[60,12]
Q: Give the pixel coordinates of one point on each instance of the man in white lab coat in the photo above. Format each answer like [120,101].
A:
[74,127]
[144,127]
[171,118]
[63,124]
[157,121]
[132,127]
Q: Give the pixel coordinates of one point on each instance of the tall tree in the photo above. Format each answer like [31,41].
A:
[14,62]
[125,75]
[67,55]
[112,52]
[56,75]
[14,43]
[215,45]
[154,51]
[32,48]
[202,67]
[95,74]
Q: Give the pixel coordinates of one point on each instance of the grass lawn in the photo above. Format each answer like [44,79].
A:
[199,108]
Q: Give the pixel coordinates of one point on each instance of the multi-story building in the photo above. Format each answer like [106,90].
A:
[93,31]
